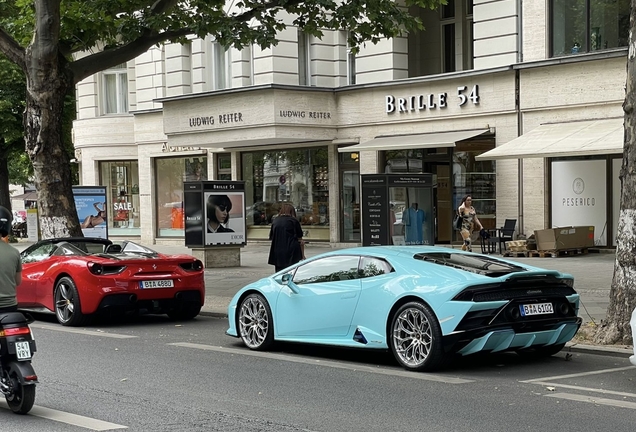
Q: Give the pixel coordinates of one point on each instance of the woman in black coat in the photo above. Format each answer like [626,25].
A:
[287,246]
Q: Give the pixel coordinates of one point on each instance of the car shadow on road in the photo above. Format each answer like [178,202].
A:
[473,364]
[112,320]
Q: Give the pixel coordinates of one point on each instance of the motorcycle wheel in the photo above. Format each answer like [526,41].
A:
[23,397]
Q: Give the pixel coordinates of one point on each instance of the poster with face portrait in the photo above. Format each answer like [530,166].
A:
[214,213]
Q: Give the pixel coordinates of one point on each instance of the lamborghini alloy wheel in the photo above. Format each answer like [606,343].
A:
[255,324]
[415,337]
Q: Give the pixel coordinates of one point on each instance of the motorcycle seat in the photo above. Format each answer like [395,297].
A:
[12,318]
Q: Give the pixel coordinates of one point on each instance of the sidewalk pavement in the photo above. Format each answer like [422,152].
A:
[592,273]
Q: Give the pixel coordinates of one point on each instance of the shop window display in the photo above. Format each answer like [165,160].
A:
[300,177]
[121,179]
[170,173]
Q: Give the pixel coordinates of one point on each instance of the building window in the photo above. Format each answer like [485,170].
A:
[448,46]
[580,26]
[300,177]
[304,76]
[469,37]
[115,90]
[221,67]
[121,179]
[224,167]
[351,65]
[170,173]
[250,56]
[447,43]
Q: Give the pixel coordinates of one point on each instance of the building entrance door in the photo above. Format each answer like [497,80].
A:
[438,164]
[350,198]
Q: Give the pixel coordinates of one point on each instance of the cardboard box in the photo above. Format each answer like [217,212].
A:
[516,246]
[579,237]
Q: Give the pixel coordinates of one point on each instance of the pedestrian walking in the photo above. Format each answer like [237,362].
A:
[287,246]
[470,222]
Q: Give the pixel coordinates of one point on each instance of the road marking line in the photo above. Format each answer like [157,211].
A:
[588,389]
[576,375]
[80,331]
[68,418]
[327,363]
[597,401]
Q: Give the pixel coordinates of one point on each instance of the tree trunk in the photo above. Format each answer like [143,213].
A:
[43,135]
[5,194]
[616,328]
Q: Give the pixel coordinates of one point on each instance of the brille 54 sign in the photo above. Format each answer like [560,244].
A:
[430,101]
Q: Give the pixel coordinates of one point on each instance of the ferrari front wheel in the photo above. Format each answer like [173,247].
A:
[416,338]
[67,303]
[255,324]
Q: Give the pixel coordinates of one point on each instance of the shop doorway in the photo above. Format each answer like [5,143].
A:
[349,173]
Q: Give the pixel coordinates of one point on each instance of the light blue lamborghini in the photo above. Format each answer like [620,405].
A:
[423,303]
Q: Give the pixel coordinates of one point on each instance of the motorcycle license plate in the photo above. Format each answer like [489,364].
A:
[23,350]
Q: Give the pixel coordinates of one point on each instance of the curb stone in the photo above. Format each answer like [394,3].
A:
[606,350]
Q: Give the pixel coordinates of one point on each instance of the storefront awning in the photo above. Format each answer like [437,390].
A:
[28,196]
[403,142]
[580,138]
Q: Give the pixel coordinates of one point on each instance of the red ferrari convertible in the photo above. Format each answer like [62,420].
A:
[77,277]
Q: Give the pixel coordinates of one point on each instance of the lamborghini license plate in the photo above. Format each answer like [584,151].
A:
[165,283]
[23,350]
[536,309]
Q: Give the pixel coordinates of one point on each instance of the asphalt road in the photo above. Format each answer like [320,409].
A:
[149,374]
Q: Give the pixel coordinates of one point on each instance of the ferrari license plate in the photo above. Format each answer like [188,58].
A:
[536,309]
[23,350]
[165,283]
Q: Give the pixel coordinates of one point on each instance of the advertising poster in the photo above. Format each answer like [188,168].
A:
[375,201]
[224,217]
[90,202]
[214,213]
[579,196]
[33,231]
[193,208]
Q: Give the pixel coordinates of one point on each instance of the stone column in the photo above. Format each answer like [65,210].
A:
[217,257]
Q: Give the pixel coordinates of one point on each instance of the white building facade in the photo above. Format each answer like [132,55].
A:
[518,103]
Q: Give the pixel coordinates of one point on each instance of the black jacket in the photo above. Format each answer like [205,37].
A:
[285,234]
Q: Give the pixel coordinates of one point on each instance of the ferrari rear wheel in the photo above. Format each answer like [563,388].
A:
[67,303]
[255,324]
[416,338]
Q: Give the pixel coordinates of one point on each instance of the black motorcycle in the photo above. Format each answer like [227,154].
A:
[17,346]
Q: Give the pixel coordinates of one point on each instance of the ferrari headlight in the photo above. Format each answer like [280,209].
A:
[568,281]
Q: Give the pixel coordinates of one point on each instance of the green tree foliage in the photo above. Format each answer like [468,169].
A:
[14,164]
[15,167]
[58,43]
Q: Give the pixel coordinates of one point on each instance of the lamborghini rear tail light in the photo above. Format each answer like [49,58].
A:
[102,270]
